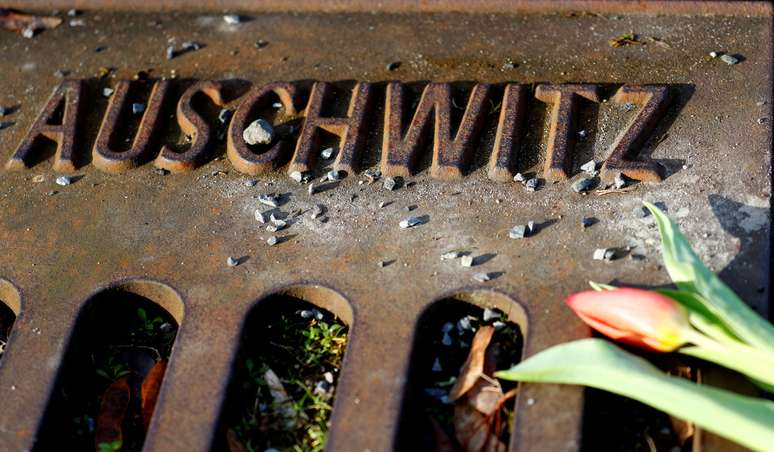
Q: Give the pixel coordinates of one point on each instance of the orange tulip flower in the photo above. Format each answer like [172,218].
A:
[634,316]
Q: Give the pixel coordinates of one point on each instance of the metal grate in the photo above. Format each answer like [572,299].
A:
[469,95]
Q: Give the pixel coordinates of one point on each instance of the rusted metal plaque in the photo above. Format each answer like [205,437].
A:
[456,99]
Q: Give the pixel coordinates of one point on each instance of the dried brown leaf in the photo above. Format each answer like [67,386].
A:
[474,365]
[234,444]
[683,429]
[149,392]
[112,409]
[473,431]
[441,440]
[485,395]
[16,21]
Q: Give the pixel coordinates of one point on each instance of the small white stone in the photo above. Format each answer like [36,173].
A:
[260,216]
[437,365]
[410,222]
[276,105]
[232,262]
[728,59]
[482,277]
[328,377]
[64,180]
[259,131]
[451,255]
[589,167]
[232,19]
[334,175]
[619,181]
[713,54]
[327,153]
[467,261]
[107,92]
[297,176]
[446,339]
[273,240]
[269,200]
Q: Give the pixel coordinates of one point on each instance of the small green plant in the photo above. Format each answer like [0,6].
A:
[111,368]
[294,356]
[113,446]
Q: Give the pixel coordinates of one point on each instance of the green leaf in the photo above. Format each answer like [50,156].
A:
[600,364]
[689,274]
[600,287]
[701,317]
[142,315]
[755,364]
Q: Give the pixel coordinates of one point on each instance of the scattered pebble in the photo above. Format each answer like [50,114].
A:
[582,133]
[446,339]
[531,227]
[259,131]
[73,12]
[629,106]
[107,92]
[393,66]
[191,45]
[77,23]
[38,178]
[334,175]
[589,167]
[586,222]
[276,225]
[5,110]
[6,124]
[297,176]
[28,33]
[519,178]
[170,52]
[582,185]
[714,54]
[392,183]
[311,314]
[251,183]
[276,105]
[261,43]
[728,59]
[372,175]
[532,184]
[437,365]
[763,120]
[232,261]
[65,180]
[327,153]
[482,277]
[224,115]
[161,171]
[273,240]
[467,261]
[232,19]
[619,181]
[260,216]
[518,232]
[311,189]
[449,255]
[138,108]
[604,254]
[410,222]
[269,200]
[491,314]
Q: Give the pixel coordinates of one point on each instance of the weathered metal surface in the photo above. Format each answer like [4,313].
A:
[106,229]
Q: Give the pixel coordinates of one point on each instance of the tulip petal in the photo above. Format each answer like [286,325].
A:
[634,316]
